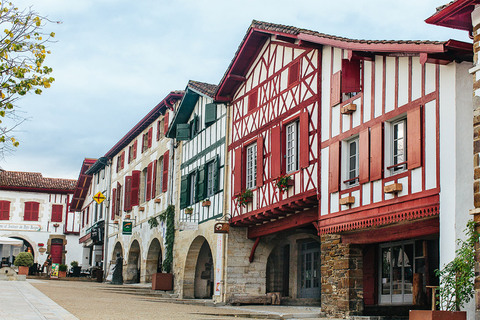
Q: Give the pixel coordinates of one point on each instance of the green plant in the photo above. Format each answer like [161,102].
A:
[282,182]
[74,264]
[189,210]
[62,267]
[457,277]
[244,198]
[24,259]
[169,217]
[153,222]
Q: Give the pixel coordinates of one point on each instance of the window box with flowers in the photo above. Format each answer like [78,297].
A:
[283,182]
[244,198]
[206,203]
[189,210]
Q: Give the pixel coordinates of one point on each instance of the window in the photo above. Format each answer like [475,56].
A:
[159,179]
[194,126]
[160,129]
[352,162]
[144,142]
[346,82]
[4,210]
[143,190]
[291,152]
[132,152]
[120,163]
[31,211]
[192,181]
[57,210]
[210,179]
[251,166]
[399,160]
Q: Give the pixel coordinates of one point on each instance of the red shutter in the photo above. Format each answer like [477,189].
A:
[123,159]
[165,122]
[304,141]
[4,210]
[57,210]
[237,187]
[154,179]
[165,171]
[149,181]
[414,138]
[376,151]
[364,156]
[127,203]
[158,130]
[150,136]
[135,149]
[135,188]
[253,100]
[119,196]
[88,215]
[334,167]
[294,73]
[83,218]
[260,161]
[335,89]
[28,211]
[276,157]
[350,75]
[113,201]
[143,143]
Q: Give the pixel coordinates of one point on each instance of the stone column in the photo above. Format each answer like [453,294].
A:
[342,277]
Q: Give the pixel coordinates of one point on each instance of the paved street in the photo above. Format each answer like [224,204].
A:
[91,300]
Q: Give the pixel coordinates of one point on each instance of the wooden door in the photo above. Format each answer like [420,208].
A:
[56,252]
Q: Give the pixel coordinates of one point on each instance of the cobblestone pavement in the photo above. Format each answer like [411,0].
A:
[91,300]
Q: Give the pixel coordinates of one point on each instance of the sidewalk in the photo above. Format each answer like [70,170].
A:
[20,300]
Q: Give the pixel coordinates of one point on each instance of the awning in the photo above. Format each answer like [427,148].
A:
[11,241]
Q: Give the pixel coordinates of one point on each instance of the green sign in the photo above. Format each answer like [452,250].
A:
[127,227]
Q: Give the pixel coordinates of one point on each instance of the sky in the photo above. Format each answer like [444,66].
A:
[114,60]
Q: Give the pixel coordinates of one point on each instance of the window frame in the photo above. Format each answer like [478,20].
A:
[251,166]
[292,161]
[397,167]
[192,181]
[351,181]
[210,179]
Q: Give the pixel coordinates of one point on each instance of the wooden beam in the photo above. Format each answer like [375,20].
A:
[293,221]
[236,77]
[252,253]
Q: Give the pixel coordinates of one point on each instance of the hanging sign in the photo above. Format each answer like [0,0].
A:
[127,227]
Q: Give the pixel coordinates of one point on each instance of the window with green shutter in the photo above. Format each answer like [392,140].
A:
[210,113]
[194,124]
[184,192]
[183,132]
[216,174]
[201,184]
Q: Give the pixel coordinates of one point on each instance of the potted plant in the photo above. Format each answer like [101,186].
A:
[189,210]
[164,280]
[153,222]
[62,271]
[23,261]
[206,203]
[283,182]
[456,281]
[75,269]
[244,198]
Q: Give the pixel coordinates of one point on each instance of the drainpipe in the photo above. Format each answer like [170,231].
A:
[107,218]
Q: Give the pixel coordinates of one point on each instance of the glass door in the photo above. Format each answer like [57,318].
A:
[309,284]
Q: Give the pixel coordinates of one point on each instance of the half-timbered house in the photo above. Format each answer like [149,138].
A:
[199,129]
[348,162]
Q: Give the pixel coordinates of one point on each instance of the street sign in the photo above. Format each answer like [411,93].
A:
[127,227]
[99,197]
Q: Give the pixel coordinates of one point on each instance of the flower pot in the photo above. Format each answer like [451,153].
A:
[188,211]
[62,274]
[23,270]
[127,216]
[206,203]
[437,315]
[162,281]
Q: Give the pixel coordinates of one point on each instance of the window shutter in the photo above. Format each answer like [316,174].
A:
[260,161]
[253,100]
[216,174]
[364,156]
[195,124]
[31,211]
[350,75]
[27,212]
[334,167]
[134,198]
[237,186]
[335,89]
[184,192]
[165,171]
[123,159]
[119,195]
[294,73]
[114,202]
[276,157]
[200,184]
[154,178]
[183,132]
[150,137]
[127,203]
[304,141]
[414,138]
[35,206]
[4,210]
[165,122]
[57,210]
[143,143]
[149,181]
[135,149]
[210,113]
[376,151]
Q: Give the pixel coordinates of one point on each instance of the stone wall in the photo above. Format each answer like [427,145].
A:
[342,277]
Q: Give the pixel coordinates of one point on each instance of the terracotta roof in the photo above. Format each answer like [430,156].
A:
[202,87]
[34,180]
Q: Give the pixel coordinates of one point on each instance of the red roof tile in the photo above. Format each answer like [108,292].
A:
[34,180]
[202,87]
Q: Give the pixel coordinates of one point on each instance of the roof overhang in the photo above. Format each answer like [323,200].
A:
[83,183]
[456,15]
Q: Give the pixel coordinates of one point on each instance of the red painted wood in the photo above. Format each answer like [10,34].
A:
[165,122]
[276,152]
[122,160]
[253,100]
[296,220]
[4,210]
[166,159]
[57,212]
[149,181]
[150,136]
[135,149]
[252,253]
[350,75]
[304,141]
[56,250]
[294,73]
[154,179]
[31,211]
[334,167]
[127,203]
[414,138]
[364,156]
[369,279]
[376,151]
[237,187]
[260,161]
[135,187]
[336,89]
[118,200]
[114,204]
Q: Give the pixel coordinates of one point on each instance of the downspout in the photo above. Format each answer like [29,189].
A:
[107,218]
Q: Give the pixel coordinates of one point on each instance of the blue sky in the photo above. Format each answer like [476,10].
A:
[114,60]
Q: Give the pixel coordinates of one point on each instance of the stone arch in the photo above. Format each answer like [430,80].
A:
[118,248]
[27,243]
[132,272]
[154,259]
[198,281]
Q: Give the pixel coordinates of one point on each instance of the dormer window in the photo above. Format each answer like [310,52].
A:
[345,83]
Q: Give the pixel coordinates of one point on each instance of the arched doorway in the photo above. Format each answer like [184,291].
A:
[278,270]
[154,260]
[199,270]
[118,249]
[133,263]
[27,247]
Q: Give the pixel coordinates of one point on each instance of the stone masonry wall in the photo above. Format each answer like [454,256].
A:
[342,277]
